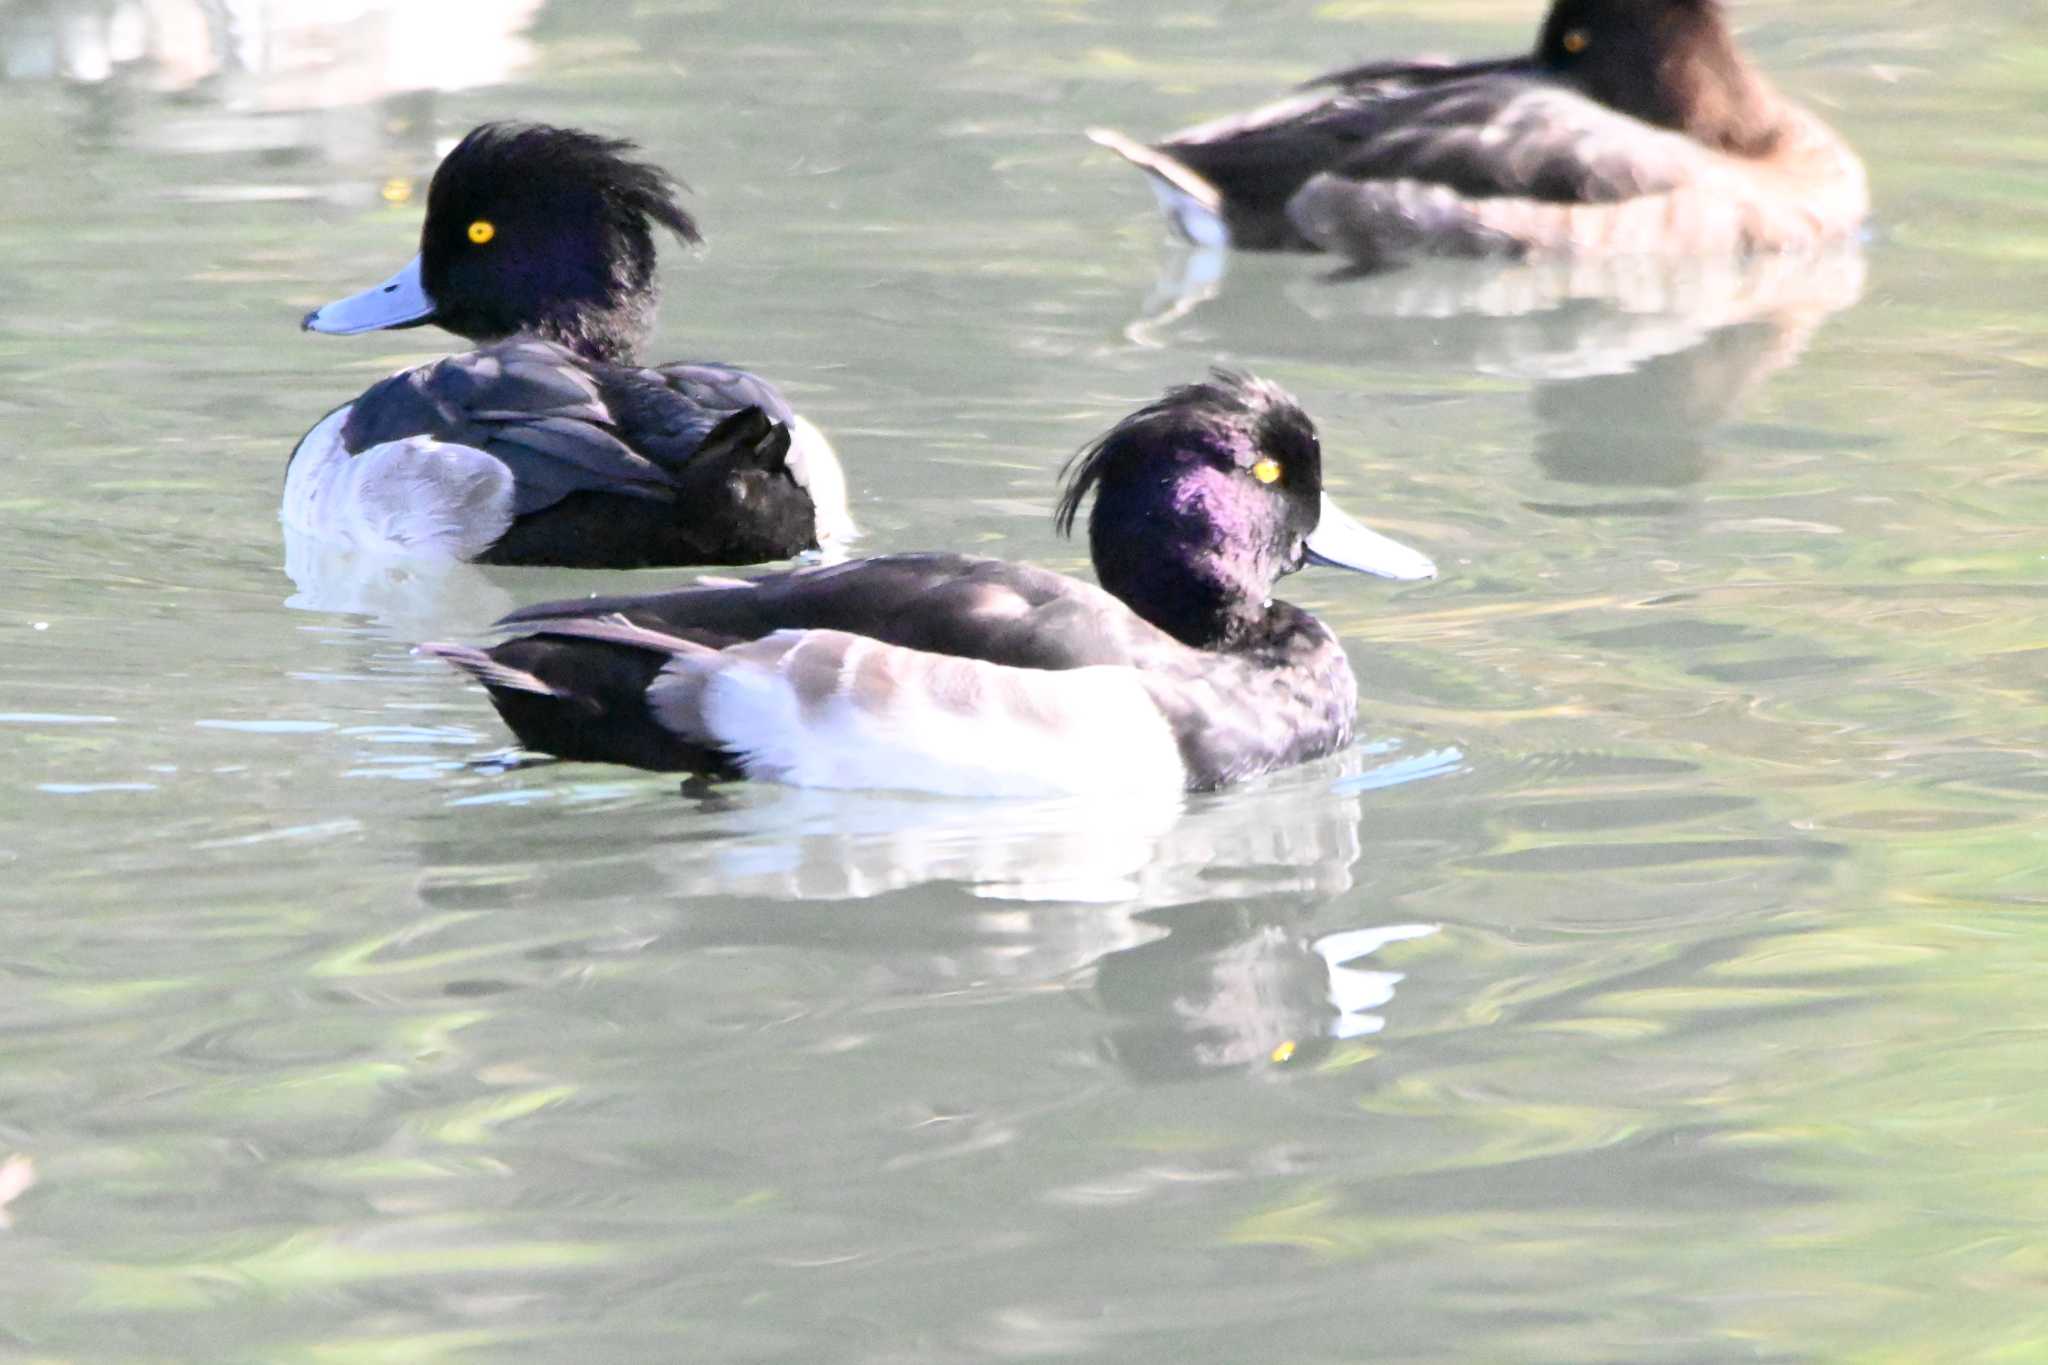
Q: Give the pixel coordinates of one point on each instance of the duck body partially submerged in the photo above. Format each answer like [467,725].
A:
[973,676]
[523,452]
[1634,127]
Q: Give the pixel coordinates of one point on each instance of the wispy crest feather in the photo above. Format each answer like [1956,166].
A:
[1226,399]
[541,153]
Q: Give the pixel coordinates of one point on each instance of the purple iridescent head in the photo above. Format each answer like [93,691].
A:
[1205,498]
[531,230]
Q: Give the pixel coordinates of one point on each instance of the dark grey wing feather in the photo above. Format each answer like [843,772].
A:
[725,388]
[1397,77]
[519,379]
[1255,161]
[955,604]
[530,404]
[568,456]
[612,465]
[1485,130]
[667,412]
[1519,138]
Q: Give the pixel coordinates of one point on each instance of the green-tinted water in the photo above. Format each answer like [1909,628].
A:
[1658,981]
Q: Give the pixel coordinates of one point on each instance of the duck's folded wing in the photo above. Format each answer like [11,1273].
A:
[1240,170]
[1401,77]
[724,388]
[699,393]
[1514,166]
[528,405]
[1520,138]
[962,605]
[670,411]
[1327,116]
[1246,167]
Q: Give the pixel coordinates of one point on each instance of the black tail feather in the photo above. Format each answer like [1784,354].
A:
[585,698]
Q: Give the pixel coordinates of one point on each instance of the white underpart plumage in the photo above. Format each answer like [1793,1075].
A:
[908,720]
[815,467]
[418,496]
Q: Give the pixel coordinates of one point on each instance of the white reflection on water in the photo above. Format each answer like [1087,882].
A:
[1217,996]
[420,597]
[1357,991]
[411,598]
[1599,316]
[268,56]
[1295,834]
[1202,929]
[1192,924]
[343,82]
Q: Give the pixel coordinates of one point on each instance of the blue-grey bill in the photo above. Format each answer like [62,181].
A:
[398,302]
[1342,542]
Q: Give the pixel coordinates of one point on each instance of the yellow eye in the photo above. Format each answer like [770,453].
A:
[1266,470]
[1577,41]
[482,230]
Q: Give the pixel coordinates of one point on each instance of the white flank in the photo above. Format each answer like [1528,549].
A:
[816,468]
[418,496]
[952,726]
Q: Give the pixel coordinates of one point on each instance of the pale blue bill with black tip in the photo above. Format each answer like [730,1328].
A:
[1342,542]
[400,301]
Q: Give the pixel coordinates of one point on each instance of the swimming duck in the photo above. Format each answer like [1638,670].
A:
[547,444]
[957,674]
[1635,126]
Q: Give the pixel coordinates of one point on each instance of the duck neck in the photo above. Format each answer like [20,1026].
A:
[600,301]
[1190,549]
[1287,698]
[1705,88]
[1204,597]
[609,335]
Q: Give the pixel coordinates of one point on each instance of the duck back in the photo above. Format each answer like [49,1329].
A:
[536,455]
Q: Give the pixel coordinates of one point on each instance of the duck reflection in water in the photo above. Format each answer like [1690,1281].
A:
[1218,995]
[1631,364]
[1295,834]
[333,83]
[1205,928]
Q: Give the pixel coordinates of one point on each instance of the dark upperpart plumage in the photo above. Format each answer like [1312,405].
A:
[937,663]
[1393,158]
[571,256]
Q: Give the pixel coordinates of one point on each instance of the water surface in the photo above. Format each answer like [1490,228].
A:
[1657,980]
